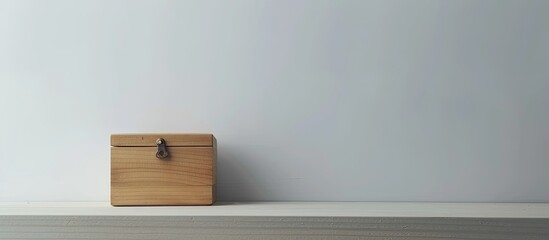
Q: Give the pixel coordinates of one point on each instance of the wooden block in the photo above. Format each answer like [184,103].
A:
[185,177]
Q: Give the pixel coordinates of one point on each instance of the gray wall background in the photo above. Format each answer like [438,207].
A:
[310,100]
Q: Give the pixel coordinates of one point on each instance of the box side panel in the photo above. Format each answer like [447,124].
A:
[214,167]
[214,170]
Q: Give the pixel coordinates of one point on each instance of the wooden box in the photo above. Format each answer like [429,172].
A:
[163,169]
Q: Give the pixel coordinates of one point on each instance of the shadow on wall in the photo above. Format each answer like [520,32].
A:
[235,180]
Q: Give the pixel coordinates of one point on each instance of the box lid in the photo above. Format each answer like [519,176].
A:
[172,140]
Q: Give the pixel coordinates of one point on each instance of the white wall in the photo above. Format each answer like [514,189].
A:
[310,100]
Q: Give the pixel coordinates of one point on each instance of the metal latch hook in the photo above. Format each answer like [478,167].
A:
[162,151]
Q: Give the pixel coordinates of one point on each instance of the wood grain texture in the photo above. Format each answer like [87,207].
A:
[186,177]
[225,228]
[162,196]
[149,140]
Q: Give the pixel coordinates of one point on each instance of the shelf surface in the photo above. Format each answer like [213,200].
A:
[286,209]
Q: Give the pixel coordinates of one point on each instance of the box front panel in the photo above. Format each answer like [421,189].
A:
[162,196]
[183,178]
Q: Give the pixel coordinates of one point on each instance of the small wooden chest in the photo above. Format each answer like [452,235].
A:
[163,169]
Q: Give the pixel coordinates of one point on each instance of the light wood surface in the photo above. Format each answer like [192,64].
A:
[165,195]
[277,220]
[149,140]
[184,178]
[289,209]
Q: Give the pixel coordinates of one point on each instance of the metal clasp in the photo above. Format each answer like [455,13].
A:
[162,151]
